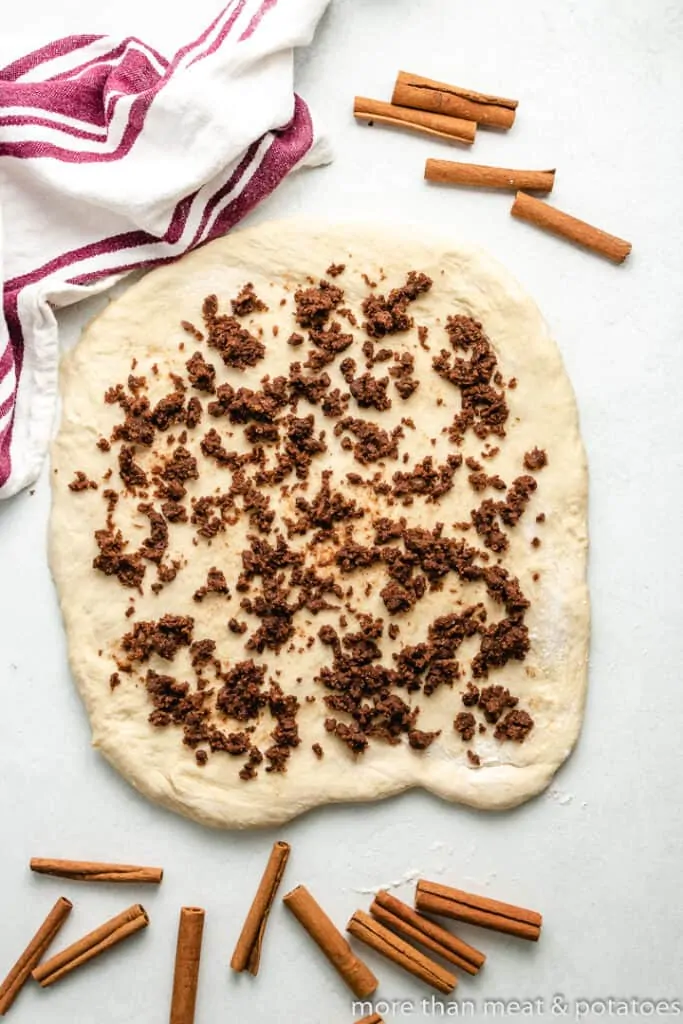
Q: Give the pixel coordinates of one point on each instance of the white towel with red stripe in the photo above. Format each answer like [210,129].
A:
[114,158]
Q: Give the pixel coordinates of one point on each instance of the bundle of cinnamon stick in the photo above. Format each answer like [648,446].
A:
[394,929]
[391,928]
[436,108]
[454,113]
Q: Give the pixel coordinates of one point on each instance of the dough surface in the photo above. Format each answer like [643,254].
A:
[145,325]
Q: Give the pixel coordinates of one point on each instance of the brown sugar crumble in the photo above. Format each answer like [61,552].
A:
[370,392]
[237,347]
[501,642]
[163,637]
[194,413]
[483,408]
[515,726]
[402,372]
[335,403]
[189,329]
[428,479]
[373,355]
[323,512]
[314,305]
[348,314]
[216,583]
[247,302]
[465,725]
[480,481]
[202,375]
[329,341]
[335,269]
[81,482]
[388,315]
[419,740]
[372,442]
[115,560]
[470,697]
[473,758]
[202,653]
[493,701]
[509,511]
[535,459]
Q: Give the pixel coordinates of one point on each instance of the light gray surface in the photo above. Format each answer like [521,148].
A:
[600,87]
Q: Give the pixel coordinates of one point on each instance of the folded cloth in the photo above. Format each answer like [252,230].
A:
[113,158]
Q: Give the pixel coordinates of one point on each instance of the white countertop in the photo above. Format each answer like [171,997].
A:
[600,87]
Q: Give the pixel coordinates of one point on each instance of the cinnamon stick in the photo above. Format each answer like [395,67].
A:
[33,954]
[462,906]
[187,957]
[535,211]
[439,97]
[383,941]
[454,129]
[355,973]
[450,172]
[247,955]
[408,922]
[91,871]
[91,945]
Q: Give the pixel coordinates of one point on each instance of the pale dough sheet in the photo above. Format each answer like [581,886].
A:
[551,682]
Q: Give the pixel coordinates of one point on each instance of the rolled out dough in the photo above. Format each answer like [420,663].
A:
[145,325]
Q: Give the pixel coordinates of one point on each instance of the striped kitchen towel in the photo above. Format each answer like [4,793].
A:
[114,158]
